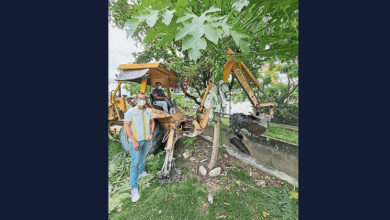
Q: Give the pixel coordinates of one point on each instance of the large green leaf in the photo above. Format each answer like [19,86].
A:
[150,18]
[238,5]
[195,29]
[131,25]
[167,16]
[239,39]
[161,34]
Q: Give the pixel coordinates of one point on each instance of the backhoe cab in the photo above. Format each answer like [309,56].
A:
[169,127]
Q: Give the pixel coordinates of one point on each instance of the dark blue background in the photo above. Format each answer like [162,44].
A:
[54,93]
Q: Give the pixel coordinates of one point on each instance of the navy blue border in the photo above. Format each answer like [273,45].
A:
[343,56]
[54,89]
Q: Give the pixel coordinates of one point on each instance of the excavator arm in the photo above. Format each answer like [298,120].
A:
[242,74]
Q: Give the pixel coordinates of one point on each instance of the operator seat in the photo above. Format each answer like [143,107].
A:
[153,105]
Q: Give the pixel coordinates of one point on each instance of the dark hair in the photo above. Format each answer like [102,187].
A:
[156,83]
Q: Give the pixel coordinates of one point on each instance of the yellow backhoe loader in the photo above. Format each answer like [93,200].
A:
[171,127]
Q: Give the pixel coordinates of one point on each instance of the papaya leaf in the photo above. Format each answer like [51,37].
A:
[238,5]
[150,18]
[195,29]
[239,39]
[167,16]
[132,24]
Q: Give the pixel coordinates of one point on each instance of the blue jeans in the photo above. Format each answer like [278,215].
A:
[163,104]
[138,158]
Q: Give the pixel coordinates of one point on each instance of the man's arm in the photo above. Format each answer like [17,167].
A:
[160,97]
[151,129]
[131,136]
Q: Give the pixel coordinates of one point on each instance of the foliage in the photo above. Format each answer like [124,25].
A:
[198,28]
[132,87]
[190,36]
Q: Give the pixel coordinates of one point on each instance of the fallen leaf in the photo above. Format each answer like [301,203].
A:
[226,203]
[263,185]
[205,205]
[294,195]
[237,193]
[174,194]
[222,216]
[265,214]
[166,199]
[244,189]
[159,212]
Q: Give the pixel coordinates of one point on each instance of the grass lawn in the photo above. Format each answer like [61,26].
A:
[279,131]
[114,147]
[235,195]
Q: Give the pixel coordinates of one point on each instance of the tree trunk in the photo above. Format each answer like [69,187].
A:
[214,154]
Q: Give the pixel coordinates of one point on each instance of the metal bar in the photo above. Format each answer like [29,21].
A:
[143,84]
[250,74]
[205,95]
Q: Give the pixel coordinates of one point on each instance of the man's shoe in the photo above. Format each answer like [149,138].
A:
[144,174]
[134,195]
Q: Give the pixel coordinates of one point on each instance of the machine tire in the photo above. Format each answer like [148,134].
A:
[156,139]
[239,145]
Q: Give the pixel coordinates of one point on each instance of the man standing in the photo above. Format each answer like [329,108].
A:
[139,127]
[159,96]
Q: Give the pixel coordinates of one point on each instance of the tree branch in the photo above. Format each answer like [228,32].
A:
[193,98]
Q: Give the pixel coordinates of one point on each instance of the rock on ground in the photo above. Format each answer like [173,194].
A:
[186,155]
[210,198]
[215,171]
[203,170]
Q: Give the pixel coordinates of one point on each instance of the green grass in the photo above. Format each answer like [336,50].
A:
[278,131]
[285,126]
[188,199]
[176,201]
[282,134]
[235,203]
[114,147]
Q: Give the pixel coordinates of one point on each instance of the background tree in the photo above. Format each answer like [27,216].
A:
[174,32]
[190,36]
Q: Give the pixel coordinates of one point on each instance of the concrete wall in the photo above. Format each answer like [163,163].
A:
[279,154]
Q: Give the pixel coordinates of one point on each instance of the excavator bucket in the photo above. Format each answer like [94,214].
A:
[254,124]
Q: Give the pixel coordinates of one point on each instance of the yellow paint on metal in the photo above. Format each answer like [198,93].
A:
[138,66]
[116,90]
[250,74]
[245,85]
[205,94]
[143,84]
[205,118]
[227,69]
